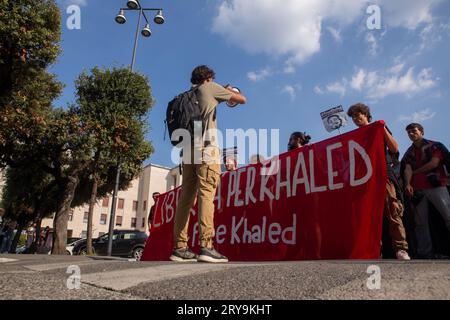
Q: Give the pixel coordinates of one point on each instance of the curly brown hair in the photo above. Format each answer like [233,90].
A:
[202,73]
[359,108]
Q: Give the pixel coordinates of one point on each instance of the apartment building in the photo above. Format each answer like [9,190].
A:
[132,207]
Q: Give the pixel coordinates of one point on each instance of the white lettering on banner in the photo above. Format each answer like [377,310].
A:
[234,228]
[301,176]
[194,234]
[237,202]
[221,231]
[231,186]
[352,146]
[274,230]
[264,190]
[241,233]
[218,197]
[251,174]
[311,174]
[154,224]
[287,183]
[169,206]
[331,173]
[304,179]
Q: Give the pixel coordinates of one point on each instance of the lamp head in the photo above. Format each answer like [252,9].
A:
[146,32]
[120,18]
[159,19]
[132,4]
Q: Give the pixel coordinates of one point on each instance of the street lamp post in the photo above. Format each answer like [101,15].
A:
[132,5]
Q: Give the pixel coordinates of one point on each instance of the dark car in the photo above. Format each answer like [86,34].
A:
[125,243]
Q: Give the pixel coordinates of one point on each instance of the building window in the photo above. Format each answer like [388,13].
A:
[85,217]
[143,222]
[100,234]
[105,202]
[70,215]
[133,222]
[145,205]
[69,233]
[83,234]
[121,203]
[135,205]
[119,221]
[103,218]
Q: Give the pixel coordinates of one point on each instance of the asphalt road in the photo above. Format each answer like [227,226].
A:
[49,277]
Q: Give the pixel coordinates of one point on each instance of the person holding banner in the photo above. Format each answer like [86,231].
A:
[393,207]
[298,140]
[201,176]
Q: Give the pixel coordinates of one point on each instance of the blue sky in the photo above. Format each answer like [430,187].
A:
[292,59]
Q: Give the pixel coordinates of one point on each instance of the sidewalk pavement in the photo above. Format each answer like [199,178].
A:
[105,278]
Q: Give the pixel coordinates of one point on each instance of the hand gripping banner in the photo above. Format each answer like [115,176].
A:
[321,201]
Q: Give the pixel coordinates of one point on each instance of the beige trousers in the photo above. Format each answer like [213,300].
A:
[201,181]
[393,210]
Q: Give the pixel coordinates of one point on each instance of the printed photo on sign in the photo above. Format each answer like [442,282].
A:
[334,118]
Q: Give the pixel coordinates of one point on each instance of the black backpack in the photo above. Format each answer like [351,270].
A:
[181,113]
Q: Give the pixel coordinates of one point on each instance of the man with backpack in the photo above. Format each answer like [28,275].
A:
[201,161]
[425,180]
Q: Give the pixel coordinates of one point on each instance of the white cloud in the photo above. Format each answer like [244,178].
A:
[418,116]
[336,34]
[373,43]
[407,13]
[292,29]
[259,75]
[291,90]
[76,2]
[357,81]
[407,84]
[318,90]
[289,68]
[337,87]
[288,28]
[380,84]
[433,34]
[397,68]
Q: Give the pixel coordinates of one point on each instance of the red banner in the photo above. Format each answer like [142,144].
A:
[322,201]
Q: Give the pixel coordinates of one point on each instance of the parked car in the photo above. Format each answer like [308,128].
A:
[126,243]
[71,242]
[69,247]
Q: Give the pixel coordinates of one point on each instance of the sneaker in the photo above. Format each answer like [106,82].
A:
[183,255]
[402,255]
[211,255]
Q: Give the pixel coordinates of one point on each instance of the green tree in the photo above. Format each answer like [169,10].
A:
[28,197]
[29,37]
[29,33]
[113,104]
[65,153]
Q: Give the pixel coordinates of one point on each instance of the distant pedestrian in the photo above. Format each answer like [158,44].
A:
[151,214]
[8,233]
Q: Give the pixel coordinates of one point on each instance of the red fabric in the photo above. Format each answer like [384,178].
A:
[343,223]
[420,180]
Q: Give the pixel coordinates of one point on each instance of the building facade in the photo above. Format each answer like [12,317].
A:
[132,207]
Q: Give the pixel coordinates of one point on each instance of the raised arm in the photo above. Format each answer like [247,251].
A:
[390,141]
[236,97]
